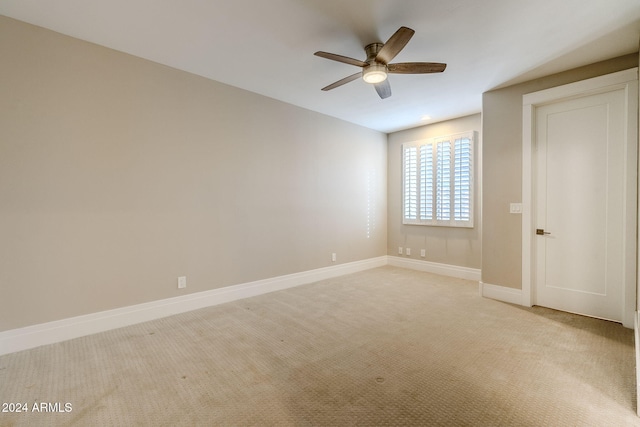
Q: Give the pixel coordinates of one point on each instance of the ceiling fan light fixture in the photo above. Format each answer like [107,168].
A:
[374,73]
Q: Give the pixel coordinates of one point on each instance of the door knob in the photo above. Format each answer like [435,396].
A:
[541,232]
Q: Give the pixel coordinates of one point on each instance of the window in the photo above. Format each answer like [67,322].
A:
[437,181]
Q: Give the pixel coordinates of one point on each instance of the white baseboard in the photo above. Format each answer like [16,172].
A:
[436,268]
[501,293]
[74,327]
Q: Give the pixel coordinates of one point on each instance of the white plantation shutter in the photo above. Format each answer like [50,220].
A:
[438,181]
[443,181]
[462,179]
[426,182]
[411,183]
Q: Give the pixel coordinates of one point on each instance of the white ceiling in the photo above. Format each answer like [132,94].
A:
[267,46]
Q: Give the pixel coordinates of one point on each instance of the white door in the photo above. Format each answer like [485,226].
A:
[581,182]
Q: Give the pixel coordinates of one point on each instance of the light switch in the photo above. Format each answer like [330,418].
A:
[515,208]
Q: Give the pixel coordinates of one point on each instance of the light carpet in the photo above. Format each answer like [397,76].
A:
[383,347]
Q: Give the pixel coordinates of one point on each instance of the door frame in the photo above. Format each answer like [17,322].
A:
[626,80]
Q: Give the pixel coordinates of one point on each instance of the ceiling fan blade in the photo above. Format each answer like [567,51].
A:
[394,45]
[416,67]
[341,82]
[383,88]
[340,58]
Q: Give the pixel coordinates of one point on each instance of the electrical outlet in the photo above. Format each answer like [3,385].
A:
[182,282]
[400,250]
[423,253]
[333,257]
[408,251]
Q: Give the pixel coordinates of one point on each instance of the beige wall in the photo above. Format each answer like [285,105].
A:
[117,175]
[447,245]
[502,168]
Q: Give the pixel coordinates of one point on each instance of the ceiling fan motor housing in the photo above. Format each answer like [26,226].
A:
[372,51]
[375,72]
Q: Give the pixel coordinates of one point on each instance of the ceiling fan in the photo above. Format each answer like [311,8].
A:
[376,67]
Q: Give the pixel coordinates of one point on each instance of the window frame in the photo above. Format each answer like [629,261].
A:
[422,200]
